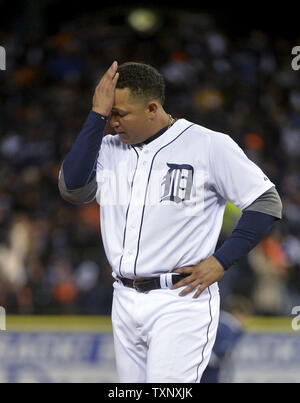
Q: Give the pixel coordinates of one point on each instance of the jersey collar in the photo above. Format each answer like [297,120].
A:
[155,142]
[155,136]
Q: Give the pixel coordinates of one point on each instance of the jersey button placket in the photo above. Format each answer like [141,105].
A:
[145,154]
[135,214]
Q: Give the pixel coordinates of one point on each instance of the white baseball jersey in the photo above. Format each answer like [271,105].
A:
[162,203]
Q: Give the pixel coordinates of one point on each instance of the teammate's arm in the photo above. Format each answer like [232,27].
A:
[77,182]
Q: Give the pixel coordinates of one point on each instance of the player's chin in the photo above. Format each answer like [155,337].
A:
[125,138]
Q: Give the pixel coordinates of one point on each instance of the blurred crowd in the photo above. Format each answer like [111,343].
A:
[51,254]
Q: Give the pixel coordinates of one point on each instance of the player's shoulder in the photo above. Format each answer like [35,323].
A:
[205,132]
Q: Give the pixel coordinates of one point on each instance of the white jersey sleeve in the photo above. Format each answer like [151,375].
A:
[234,176]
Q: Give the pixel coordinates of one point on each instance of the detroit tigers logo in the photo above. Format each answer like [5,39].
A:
[177,183]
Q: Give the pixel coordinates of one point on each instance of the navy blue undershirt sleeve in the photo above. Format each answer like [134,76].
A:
[252,227]
[79,164]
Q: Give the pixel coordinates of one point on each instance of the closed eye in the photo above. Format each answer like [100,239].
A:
[121,114]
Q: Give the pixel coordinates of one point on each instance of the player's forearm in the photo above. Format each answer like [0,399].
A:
[79,164]
[252,227]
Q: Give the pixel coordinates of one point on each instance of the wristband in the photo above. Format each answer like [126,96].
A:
[103,117]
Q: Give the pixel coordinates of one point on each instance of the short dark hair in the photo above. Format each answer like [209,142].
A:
[143,80]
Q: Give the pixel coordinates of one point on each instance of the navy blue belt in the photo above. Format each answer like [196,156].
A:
[150,283]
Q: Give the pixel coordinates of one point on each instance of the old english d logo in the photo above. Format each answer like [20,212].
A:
[178,183]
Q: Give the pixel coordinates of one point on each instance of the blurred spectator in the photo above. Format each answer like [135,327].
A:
[270,265]
[51,256]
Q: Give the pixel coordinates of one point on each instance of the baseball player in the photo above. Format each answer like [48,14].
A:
[162,185]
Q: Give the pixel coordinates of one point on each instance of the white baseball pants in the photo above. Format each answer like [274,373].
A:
[160,337]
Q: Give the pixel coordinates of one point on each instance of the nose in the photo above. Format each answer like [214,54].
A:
[114,122]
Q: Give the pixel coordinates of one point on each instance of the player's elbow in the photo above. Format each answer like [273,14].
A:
[76,197]
[83,195]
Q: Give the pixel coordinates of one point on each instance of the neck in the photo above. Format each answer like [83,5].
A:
[163,121]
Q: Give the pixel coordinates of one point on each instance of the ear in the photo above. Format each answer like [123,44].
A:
[152,108]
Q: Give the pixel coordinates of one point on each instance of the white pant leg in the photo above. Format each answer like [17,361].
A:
[130,347]
[182,336]
[161,337]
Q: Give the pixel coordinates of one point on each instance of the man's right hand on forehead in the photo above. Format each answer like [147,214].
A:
[104,95]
